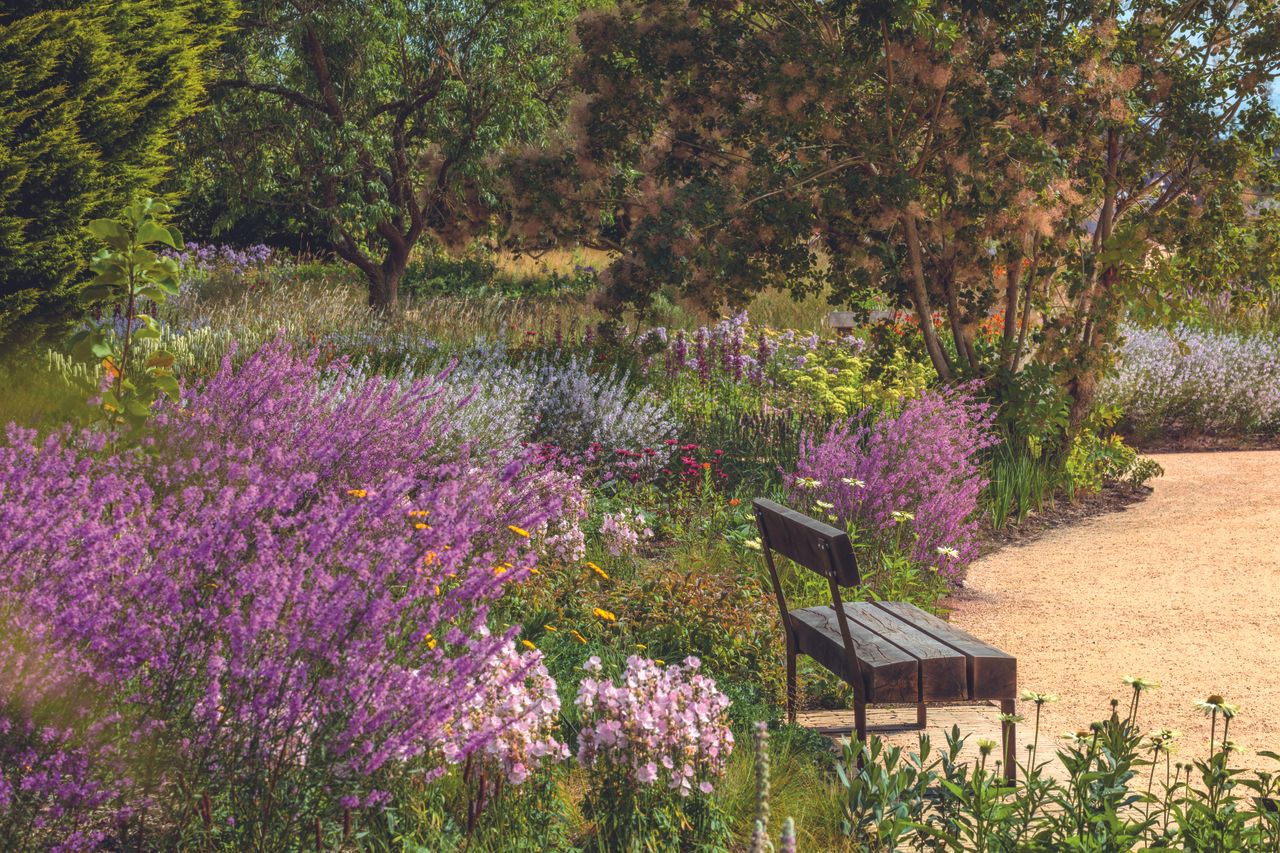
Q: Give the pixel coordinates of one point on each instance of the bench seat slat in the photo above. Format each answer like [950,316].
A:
[992,674]
[889,674]
[943,669]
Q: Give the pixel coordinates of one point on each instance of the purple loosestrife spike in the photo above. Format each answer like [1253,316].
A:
[224,595]
[919,465]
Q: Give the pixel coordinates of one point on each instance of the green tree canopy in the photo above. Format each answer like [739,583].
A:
[965,159]
[90,96]
[379,122]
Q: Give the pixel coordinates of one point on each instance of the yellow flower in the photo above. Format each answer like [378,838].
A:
[420,526]
[430,559]
[601,613]
[533,570]
[599,571]
[641,646]
[528,645]
[551,628]
[419,513]
[519,531]
[358,493]
[659,661]
[431,641]
[499,571]
[578,636]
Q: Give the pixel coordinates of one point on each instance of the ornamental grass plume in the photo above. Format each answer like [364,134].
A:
[222,598]
[919,465]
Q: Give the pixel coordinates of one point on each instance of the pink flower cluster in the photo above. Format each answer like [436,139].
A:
[513,711]
[561,538]
[623,531]
[663,724]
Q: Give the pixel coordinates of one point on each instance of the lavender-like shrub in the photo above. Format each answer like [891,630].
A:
[919,466]
[1191,381]
[268,609]
[204,257]
[574,408]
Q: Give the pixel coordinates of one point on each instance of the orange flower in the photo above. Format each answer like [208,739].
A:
[734,501]
[519,531]
[358,493]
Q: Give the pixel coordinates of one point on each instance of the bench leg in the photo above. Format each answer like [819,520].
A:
[921,715]
[860,719]
[791,681]
[1009,734]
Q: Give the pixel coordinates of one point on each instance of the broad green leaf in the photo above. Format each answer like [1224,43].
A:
[154,232]
[160,358]
[107,229]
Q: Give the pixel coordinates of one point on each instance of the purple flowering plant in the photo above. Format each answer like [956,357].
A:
[268,609]
[918,467]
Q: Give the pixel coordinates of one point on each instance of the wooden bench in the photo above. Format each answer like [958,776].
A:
[888,652]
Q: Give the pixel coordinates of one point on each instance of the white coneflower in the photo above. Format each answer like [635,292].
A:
[852,483]
[1139,683]
[824,505]
[901,515]
[1215,704]
[754,544]
[808,482]
[1038,698]
[947,551]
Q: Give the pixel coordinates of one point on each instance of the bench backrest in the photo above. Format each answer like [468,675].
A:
[813,544]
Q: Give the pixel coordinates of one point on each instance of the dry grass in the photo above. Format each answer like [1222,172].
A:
[553,261]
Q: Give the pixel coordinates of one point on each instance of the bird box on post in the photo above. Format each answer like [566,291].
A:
[844,322]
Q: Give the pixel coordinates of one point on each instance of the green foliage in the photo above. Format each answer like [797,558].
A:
[477,273]
[838,382]
[128,273]
[90,96]
[375,124]
[1019,483]
[1095,460]
[1108,800]
[646,819]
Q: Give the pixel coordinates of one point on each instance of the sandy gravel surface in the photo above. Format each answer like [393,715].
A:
[1182,588]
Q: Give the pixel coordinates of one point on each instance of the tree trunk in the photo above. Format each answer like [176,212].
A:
[384,287]
[920,296]
[1008,339]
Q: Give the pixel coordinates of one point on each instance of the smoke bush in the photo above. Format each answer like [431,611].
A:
[284,591]
[920,461]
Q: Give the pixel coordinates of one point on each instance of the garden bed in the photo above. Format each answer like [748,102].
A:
[1114,497]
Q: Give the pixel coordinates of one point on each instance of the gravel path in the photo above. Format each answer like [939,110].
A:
[1182,588]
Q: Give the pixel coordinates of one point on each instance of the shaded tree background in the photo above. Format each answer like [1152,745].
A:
[375,125]
[1023,158]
